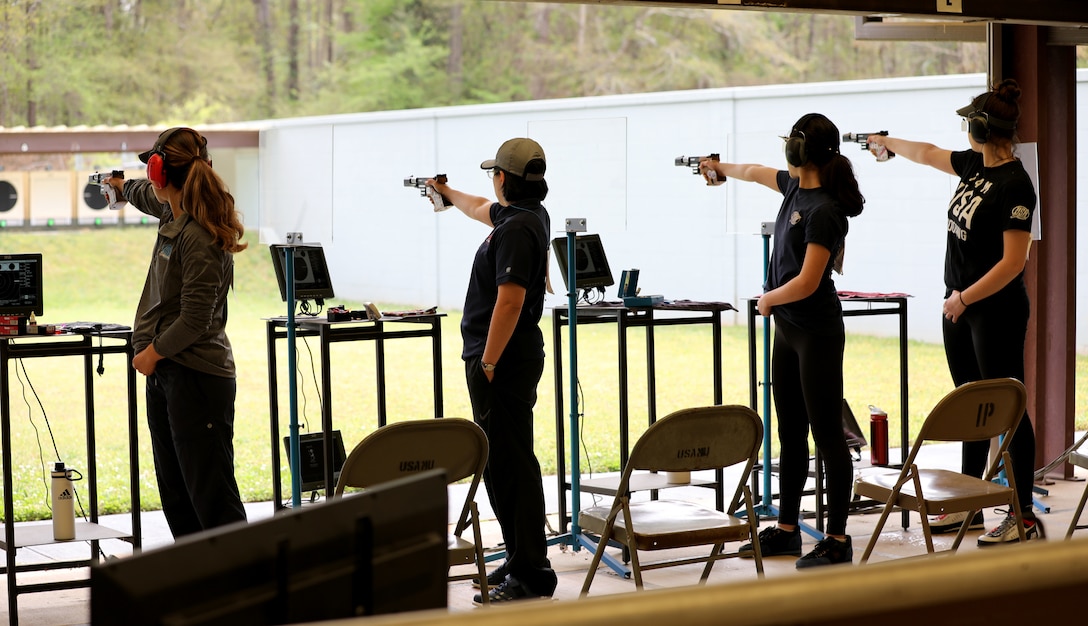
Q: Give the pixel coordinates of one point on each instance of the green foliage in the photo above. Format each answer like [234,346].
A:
[150,61]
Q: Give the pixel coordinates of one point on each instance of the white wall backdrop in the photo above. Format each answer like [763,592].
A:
[339,180]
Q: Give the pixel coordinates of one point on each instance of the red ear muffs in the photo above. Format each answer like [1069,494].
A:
[156,169]
[156,161]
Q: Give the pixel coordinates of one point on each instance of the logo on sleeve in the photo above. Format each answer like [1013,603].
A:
[1020,213]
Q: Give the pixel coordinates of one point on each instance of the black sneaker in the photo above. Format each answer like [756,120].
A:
[494,578]
[774,541]
[828,551]
[508,590]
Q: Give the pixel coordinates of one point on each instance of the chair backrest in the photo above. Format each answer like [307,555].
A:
[698,439]
[396,450]
[976,411]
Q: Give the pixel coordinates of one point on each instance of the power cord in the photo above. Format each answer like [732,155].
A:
[582,438]
[24,382]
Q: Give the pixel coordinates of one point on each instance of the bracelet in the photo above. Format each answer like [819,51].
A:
[960,294]
[488,367]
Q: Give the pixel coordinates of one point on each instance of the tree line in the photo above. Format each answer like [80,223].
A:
[89,62]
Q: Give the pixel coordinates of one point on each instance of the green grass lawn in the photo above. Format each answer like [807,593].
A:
[97,275]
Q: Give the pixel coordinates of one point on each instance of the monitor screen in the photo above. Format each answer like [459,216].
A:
[378,551]
[21,284]
[311,453]
[591,266]
[312,281]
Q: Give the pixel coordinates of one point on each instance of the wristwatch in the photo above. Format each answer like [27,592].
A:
[488,367]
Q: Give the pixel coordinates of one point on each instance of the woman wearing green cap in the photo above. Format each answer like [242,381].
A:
[504,356]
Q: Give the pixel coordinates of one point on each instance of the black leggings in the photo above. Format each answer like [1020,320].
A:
[988,342]
[806,370]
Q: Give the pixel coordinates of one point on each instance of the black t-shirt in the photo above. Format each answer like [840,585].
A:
[807,216]
[516,250]
[988,201]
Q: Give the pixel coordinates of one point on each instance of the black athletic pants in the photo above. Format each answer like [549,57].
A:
[988,342]
[503,407]
[191,418]
[806,370]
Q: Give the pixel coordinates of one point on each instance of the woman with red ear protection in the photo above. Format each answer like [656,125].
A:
[986,303]
[179,336]
[819,193]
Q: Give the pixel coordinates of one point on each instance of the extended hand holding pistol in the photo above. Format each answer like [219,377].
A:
[882,153]
[108,190]
[441,203]
[710,176]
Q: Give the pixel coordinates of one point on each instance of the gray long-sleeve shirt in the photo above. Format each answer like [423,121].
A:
[183,307]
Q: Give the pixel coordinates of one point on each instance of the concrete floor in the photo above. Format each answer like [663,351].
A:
[70,607]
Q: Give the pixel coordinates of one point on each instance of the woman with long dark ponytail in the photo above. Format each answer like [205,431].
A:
[819,193]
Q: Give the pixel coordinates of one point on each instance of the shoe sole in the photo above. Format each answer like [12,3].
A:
[954,529]
[986,544]
[525,599]
[752,555]
[1029,535]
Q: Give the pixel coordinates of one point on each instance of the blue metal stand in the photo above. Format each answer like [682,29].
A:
[766,508]
[292,379]
[574,538]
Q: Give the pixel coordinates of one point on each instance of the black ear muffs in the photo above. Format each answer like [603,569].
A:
[980,123]
[796,153]
[978,126]
[156,161]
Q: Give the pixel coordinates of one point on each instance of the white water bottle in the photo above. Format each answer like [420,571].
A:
[64,512]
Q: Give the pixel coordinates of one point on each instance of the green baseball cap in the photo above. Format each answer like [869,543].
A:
[515,156]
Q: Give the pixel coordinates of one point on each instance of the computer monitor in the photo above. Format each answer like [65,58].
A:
[21,284]
[379,551]
[590,263]
[311,453]
[312,281]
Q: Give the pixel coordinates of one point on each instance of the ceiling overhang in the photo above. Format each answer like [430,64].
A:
[86,140]
[1071,14]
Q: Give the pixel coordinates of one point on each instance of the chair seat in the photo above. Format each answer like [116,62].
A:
[1079,457]
[461,552]
[659,522]
[944,491]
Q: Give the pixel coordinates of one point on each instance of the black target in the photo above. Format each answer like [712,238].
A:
[8,196]
[93,198]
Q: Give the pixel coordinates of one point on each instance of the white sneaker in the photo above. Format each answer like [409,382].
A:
[951,522]
[1006,531]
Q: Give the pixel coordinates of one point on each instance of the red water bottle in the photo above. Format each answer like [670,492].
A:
[878,436]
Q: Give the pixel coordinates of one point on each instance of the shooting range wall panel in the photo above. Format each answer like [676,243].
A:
[611,161]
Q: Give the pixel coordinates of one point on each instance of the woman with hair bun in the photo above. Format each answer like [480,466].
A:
[820,193]
[179,336]
[986,303]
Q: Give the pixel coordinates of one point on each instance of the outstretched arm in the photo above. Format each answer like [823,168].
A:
[476,207]
[766,176]
[917,151]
